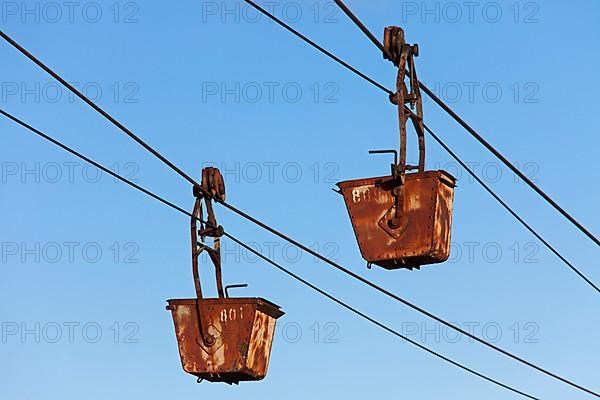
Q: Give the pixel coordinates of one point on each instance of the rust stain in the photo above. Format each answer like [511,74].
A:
[260,342]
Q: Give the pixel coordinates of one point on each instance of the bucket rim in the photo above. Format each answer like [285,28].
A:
[261,304]
[386,178]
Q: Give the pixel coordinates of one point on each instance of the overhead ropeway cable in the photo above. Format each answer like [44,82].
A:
[265,258]
[89,102]
[326,52]
[305,248]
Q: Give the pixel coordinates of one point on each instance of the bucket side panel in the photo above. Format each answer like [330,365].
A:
[443,222]
[261,340]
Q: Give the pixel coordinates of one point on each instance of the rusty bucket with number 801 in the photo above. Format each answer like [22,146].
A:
[242,328]
[220,339]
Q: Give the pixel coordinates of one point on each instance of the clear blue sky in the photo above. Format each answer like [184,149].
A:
[206,82]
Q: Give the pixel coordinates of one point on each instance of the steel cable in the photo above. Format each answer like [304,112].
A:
[191,180]
[267,259]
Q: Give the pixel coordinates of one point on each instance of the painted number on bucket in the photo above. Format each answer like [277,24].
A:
[231,314]
[361,193]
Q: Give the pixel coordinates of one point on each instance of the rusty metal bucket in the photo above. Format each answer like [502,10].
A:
[403,220]
[242,329]
[423,235]
[220,339]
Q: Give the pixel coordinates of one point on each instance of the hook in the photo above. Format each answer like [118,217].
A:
[239,285]
[394,152]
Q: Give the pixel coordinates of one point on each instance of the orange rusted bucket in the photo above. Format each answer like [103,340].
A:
[242,330]
[423,235]
[220,339]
